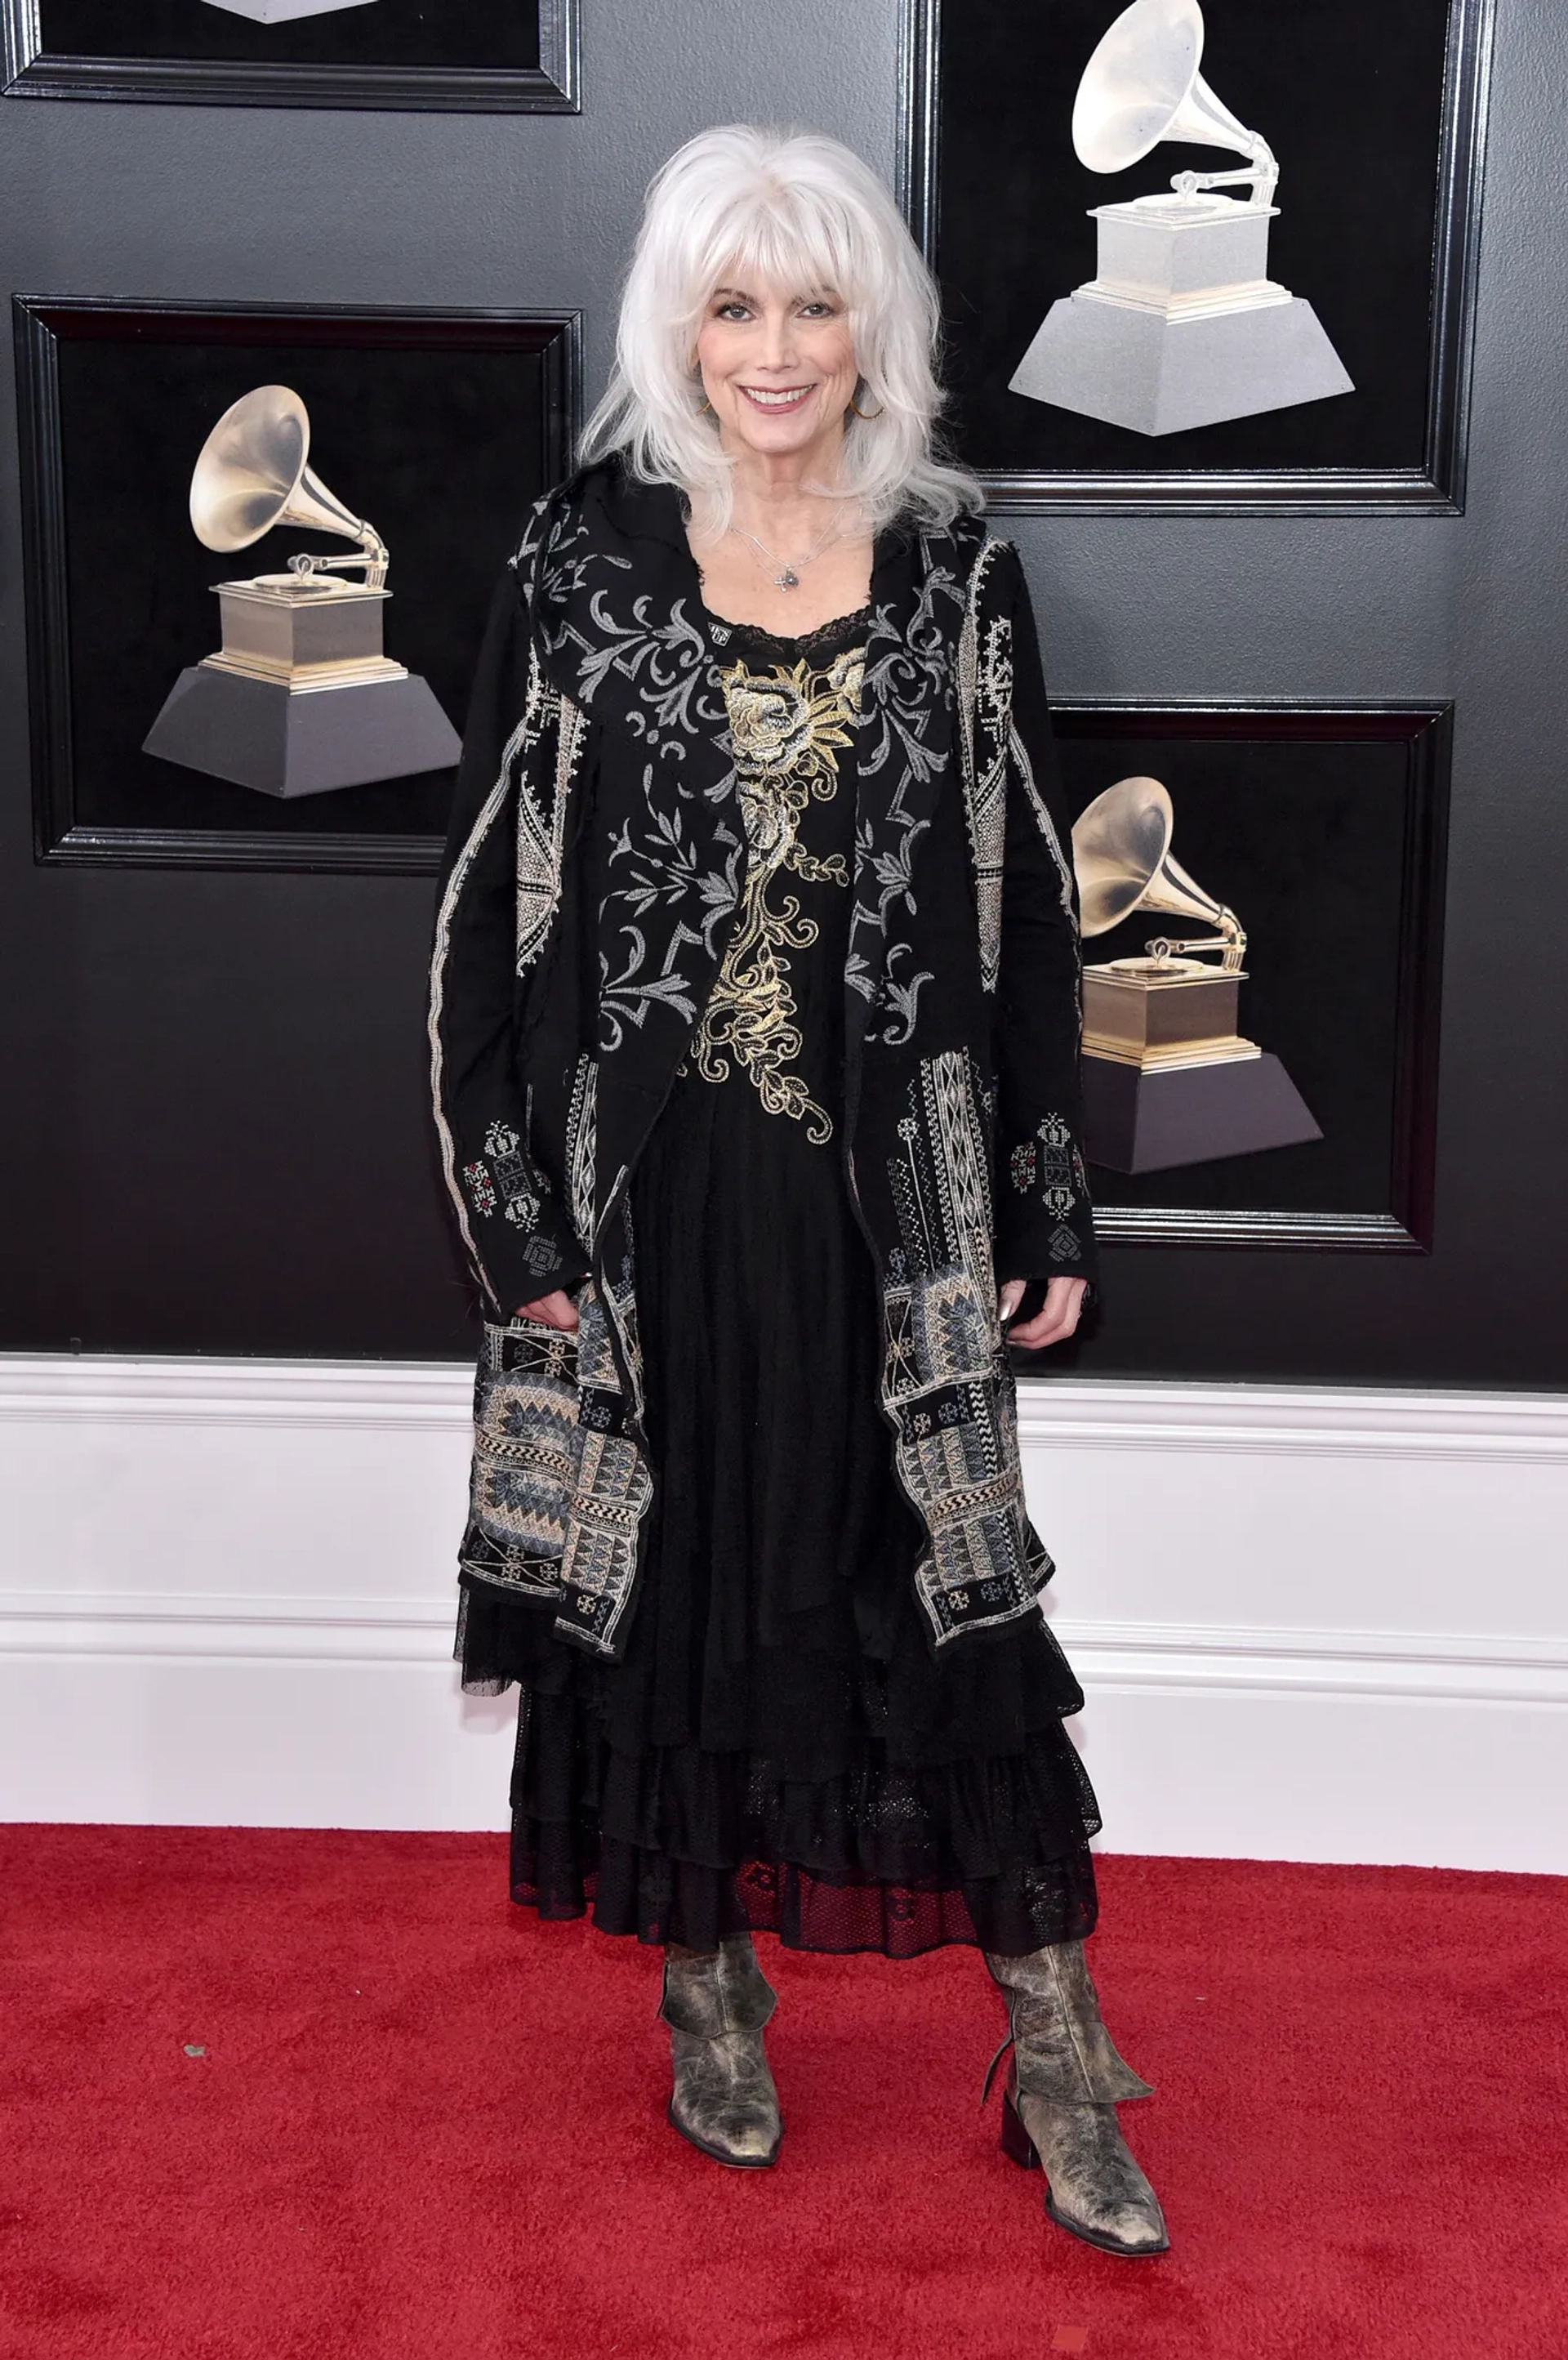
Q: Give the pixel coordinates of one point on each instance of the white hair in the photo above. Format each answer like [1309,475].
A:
[804,213]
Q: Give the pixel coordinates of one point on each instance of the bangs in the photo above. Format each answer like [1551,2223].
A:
[785,239]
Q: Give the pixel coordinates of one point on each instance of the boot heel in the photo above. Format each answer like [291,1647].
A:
[1016,2143]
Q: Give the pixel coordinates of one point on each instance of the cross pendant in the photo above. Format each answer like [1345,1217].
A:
[787,580]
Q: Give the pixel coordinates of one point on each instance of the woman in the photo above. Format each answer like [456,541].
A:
[754,1028]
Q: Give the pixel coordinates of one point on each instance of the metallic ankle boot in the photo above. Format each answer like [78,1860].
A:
[715,2006]
[1060,2106]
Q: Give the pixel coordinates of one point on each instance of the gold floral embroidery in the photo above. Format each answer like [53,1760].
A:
[789,729]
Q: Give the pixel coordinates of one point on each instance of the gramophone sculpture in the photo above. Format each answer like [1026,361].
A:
[1167,1078]
[1181,325]
[282,12]
[299,699]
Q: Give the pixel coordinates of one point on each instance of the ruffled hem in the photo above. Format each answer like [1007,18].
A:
[678,1844]
[660,1900]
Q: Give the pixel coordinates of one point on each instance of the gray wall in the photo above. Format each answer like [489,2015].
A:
[162,201]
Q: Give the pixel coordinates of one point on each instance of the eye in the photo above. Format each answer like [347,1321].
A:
[819,308]
[731,311]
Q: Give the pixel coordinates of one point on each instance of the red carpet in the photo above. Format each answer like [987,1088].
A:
[423,2127]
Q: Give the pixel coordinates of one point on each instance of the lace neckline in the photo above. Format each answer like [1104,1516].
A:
[838,629]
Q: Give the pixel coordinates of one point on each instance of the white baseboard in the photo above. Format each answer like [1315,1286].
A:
[1309,1624]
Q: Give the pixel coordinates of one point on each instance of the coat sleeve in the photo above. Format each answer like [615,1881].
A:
[515,1231]
[1044,1224]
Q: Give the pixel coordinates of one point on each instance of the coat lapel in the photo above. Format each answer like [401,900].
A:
[906,752]
[619,622]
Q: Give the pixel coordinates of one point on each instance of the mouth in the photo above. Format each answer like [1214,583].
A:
[777,399]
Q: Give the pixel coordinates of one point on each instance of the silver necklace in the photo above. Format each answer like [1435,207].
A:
[789,575]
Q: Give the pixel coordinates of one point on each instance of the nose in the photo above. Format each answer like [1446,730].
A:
[779,340]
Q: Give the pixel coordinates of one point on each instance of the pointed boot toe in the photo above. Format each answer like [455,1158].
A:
[724,2100]
[1094,2187]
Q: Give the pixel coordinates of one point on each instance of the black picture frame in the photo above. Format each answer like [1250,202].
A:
[1432,482]
[1395,1026]
[32,70]
[541,349]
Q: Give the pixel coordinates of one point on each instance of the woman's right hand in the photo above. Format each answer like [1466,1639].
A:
[557,1310]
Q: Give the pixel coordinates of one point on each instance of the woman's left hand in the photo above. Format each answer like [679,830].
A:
[1052,1325]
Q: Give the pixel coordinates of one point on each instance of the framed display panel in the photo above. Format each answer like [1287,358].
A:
[1323,830]
[1377,118]
[442,427]
[486,56]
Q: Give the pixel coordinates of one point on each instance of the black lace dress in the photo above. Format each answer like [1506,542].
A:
[779,1749]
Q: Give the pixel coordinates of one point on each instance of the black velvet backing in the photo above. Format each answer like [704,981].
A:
[440,448]
[1349,98]
[1307,844]
[500,34]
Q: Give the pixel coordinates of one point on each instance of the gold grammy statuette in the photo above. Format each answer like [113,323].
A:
[299,699]
[1168,1079]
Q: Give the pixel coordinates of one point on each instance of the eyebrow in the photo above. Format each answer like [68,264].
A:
[812,295]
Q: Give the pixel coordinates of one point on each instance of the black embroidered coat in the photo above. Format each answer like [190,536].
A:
[596,859]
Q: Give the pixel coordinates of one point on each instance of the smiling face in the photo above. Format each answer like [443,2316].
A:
[778,367]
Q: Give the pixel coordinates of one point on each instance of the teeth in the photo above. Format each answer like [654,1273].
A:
[778,400]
